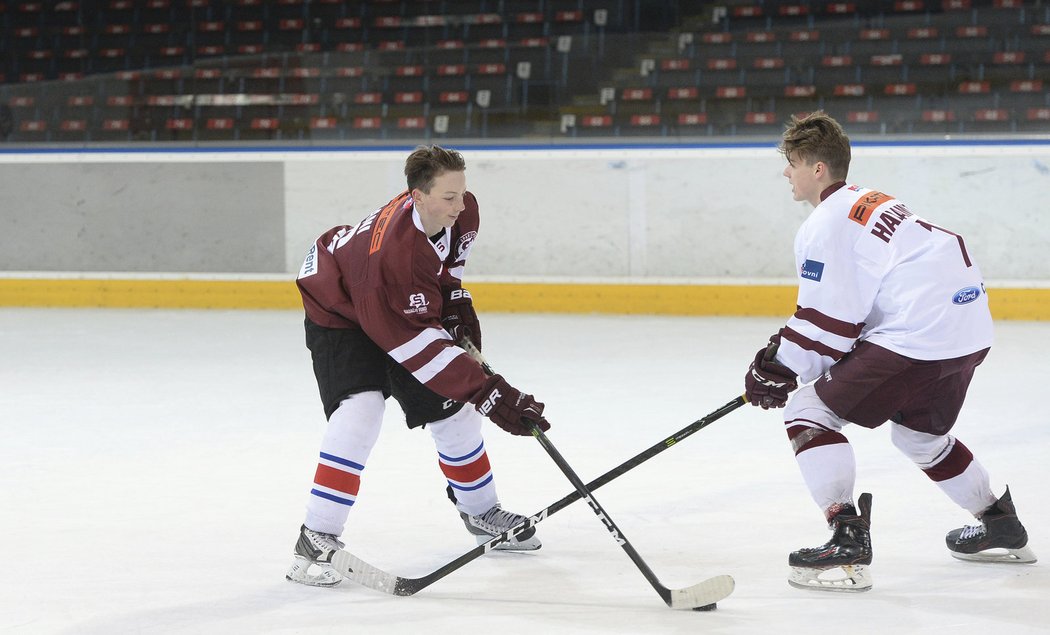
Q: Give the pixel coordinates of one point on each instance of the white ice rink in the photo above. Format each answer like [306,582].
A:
[154,467]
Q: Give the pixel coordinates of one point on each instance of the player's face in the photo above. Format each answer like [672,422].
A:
[442,206]
[803,179]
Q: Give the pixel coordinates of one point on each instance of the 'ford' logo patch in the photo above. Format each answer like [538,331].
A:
[966,296]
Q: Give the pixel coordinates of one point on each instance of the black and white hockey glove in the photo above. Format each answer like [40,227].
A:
[768,383]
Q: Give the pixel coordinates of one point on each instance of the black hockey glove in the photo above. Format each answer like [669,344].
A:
[459,318]
[508,407]
[768,383]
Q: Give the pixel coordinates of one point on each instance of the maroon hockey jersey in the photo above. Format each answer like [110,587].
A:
[388,278]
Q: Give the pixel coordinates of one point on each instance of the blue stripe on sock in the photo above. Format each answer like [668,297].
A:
[336,459]
[332,497]
[472,487]
[451,459]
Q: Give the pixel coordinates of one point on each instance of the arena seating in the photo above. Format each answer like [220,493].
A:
[79,71]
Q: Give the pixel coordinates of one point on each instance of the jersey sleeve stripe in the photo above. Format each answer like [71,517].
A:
[807,344]
[437,364]
[830,324]
[414,346]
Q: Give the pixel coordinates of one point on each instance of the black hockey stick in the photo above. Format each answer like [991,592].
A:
[374,578]
[699,595]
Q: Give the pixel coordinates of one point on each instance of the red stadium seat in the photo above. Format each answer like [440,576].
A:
[904,88]
[323,123]
[974,88]
[731,92]
[411,123]
[636,94]
[760,118]
[687,92]
[595,121]
[692,118]
[645,121]
[219,123]
[265,123]
[991,114]
[938,115]
[367,123]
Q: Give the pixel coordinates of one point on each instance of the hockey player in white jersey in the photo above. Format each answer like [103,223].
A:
[892,320]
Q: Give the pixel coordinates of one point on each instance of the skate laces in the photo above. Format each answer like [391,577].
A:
[971,531]
[497,520]
[324,541]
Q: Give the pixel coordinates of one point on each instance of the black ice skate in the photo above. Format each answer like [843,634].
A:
[485,527]
[313,559]
[840,564]
[999,538]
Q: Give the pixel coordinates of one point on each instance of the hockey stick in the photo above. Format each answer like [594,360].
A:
[700,595]
[374,578]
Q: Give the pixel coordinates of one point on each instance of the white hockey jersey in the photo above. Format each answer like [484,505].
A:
[872,270]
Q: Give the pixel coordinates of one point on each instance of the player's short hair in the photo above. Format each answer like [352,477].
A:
[427,163]
[818,137]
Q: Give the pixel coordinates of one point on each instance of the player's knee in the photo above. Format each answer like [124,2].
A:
[920,447]
[805,405]
[359,416]
[465,424]
[368,405]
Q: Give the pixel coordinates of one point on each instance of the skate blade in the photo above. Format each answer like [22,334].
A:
[532,544]
[1024,555]
[323,576]
[845,579]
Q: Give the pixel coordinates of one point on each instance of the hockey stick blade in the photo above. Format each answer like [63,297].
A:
[705,593]
[367,575]
[692,597]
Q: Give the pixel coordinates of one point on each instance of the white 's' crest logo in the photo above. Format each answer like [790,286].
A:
[417,303]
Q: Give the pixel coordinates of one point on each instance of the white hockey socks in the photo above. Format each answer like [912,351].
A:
[352,433]
[949,464]
[463,460]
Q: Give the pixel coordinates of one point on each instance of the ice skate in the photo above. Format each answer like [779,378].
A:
[999,538]
[494,522]
[313,557]
[840,564]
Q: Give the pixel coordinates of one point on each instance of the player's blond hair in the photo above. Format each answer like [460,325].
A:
[427,163]
[818,137]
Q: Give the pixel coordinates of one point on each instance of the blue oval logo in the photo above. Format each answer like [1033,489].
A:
[966,296]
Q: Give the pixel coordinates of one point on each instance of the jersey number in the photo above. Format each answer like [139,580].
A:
[962,246]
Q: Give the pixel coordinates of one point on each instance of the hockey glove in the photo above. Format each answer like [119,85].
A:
[768,383]
[508,407]
[459,318]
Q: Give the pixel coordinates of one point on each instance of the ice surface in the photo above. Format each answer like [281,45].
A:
[154,467]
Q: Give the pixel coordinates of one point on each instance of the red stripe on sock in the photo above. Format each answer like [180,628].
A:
[952,465]
[467,473]
[338,480]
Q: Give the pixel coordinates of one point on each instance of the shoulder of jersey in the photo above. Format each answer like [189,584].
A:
[864,202]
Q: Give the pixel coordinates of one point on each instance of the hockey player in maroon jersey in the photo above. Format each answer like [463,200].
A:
[384,310]
[892,321]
